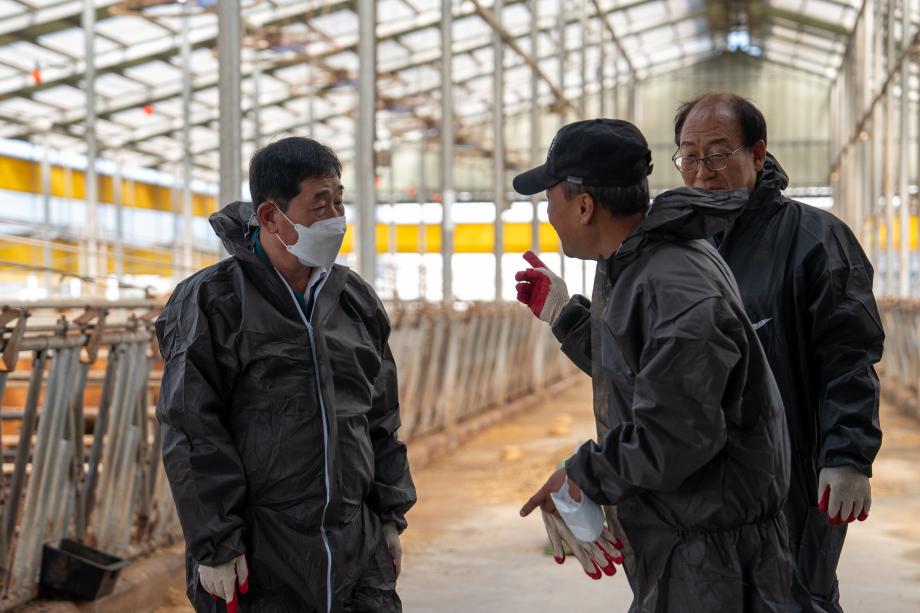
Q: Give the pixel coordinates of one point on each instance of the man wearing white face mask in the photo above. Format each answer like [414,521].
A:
[279,406]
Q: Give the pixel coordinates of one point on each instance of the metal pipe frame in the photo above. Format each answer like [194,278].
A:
[447,152]
[392,272]
[99,429]
[866,143]
[489,17]
[421,192]
[562,21]
[365,141]
[904,288]
[46,203]
[188,158]
[89,85]
[535,121]
[23,450]
[119,245]
[613,35]
[229,43]
[873,97]
[888,159]
[498,147]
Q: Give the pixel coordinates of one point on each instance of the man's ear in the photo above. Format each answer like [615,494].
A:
[587,208]
[268,217]
[760,154]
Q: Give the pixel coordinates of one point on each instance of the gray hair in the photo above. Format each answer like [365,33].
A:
[619,201]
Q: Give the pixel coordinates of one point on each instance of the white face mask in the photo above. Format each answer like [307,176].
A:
[317,245]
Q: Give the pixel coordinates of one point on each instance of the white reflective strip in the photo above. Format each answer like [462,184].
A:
[322,406]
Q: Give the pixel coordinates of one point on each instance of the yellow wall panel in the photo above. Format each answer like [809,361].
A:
[25,176]
[154,262]
[913,236]
[17,175]
[63,258]
[468,238]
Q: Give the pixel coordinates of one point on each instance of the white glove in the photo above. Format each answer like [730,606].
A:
[585,518]
[844,494]
[541,290]
[594,557]
[391,536]
[220,581]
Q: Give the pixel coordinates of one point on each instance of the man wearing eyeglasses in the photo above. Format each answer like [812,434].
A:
[807,287]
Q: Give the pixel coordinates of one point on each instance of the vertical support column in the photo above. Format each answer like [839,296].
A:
[904,164]
[498,157]
[615,89]
[186,53]
[421,192]
[561,27]
[366,201]
[861,157]
[877,187]
[535,121]
[584,103]
[175,207]
[447,150]
[311,98]
[601,68]
[878,135]
[46,205]
[633,99]
[392,268]
[256,106]
[890,152]
[118,203]
[583,59]
[864,208]
[89,84]
[562,108]
[229,43]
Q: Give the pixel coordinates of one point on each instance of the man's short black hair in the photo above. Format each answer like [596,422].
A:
[750,119]
[619,201]
[277,170]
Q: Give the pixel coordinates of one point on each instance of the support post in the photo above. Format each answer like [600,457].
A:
[366,201]
[229,43]
[498,155]
[447,151]
[89,84]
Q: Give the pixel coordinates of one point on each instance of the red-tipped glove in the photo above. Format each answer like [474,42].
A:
[845,494]
[391,537]
[544,292]
[595,557]
[223,581]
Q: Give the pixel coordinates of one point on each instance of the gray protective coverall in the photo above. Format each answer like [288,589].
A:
[696,453]
[279,432]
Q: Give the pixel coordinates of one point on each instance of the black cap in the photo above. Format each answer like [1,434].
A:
[595,152]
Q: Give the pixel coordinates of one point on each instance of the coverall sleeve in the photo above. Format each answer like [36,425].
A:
[393,492]
[573,330]
[677,423]
[202,464]
[846,341]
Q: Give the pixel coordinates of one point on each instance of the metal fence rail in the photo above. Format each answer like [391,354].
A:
[900,367]
[80,452]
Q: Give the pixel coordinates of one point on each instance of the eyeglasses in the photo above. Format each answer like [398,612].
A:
[714,161]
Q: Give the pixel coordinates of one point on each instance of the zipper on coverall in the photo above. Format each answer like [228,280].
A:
[322,406]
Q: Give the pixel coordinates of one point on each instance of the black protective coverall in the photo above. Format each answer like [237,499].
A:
[279,432]
[807,286]
[696,453]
